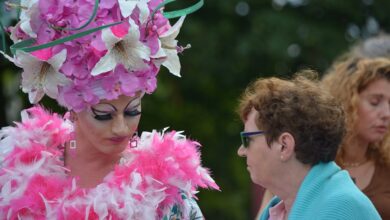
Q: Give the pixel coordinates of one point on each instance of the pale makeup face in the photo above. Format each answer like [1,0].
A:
[374,111]
[261,159]
[108,126]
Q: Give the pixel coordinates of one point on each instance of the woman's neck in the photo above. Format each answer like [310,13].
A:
[287,187]
[355,151]
[88,166]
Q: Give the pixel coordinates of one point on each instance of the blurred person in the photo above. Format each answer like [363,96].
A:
[373,47]
[290,140]
[91,164]
[362,85]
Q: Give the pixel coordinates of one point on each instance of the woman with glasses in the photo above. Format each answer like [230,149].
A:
[362,84]
[291,134]
[91,164]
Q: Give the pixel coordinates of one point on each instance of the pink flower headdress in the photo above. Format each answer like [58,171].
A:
[78,58]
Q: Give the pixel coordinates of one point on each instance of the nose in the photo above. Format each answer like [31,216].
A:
[386,112]
[241,151]
[120,127]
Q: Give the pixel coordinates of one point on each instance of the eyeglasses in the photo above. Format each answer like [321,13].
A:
[246,135]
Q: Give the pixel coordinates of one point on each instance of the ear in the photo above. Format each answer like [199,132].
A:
[287,146]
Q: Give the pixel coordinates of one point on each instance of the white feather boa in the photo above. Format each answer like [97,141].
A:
[158,178]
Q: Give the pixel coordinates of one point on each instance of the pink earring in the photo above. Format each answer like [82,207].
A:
[134,140]
[72,145]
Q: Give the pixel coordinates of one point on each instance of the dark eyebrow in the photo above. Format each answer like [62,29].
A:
[133,106]
[133,101]
[108,104]
[135,98]
[115,109]
[375,95]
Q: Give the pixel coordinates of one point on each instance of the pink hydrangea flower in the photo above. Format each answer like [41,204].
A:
[122,59]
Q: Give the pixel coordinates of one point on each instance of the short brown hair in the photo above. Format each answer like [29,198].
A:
[345,80]
[299,107]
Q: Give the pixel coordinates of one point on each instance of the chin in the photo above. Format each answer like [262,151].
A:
[112,150]
[376,138]
[255,181]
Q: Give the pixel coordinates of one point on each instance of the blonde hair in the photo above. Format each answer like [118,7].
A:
[345,80]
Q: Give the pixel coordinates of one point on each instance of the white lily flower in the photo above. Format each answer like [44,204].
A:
[127,7]
[169,48]
[129,51]
[41,77]
[29,8]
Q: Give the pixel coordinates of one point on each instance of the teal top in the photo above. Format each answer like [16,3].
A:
[327,192]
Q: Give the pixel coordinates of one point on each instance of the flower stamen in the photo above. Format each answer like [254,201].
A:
[43,72]
[121,50]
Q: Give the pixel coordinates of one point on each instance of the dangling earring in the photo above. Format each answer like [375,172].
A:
[134,140]
[72,145]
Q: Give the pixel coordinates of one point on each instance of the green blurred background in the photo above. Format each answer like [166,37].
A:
[233,42]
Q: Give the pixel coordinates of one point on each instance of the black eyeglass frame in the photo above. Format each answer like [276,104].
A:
[246,135]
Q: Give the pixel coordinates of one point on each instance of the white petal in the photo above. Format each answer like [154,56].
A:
[57,60]
[51,90]
[105,64]
[136,54]
[144,11]
[172,62]
[127,7]
[160,53]
[29,81]
[133,33]
[26,27]
[174,30]
[11,59]
[52,81]
[54,77]
[109,38]
[28,62]
[35,96]
[25,16]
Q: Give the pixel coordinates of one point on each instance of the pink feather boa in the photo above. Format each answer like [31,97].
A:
[148,182]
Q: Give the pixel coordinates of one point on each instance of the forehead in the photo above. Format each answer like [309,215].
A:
[378,87]
[250,122]
[121,102]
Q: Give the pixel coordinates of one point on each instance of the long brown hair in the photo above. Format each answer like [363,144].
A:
[345,80]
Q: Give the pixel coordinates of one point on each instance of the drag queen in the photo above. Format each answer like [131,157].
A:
[97,59]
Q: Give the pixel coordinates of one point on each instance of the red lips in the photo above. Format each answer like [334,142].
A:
[118,140]
[381,129]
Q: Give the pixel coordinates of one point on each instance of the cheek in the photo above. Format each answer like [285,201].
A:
[91,127]
[133,123]
[366,114]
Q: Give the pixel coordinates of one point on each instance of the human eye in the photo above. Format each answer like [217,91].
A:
[375,101]
[247,141]
[132,113]
[101,115]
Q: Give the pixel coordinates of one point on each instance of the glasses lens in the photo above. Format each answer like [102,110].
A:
[244,140]
[245,137]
